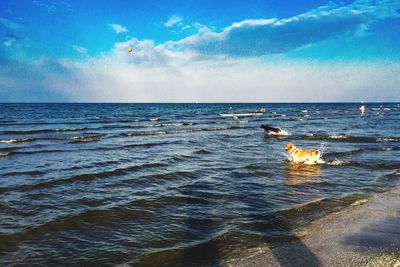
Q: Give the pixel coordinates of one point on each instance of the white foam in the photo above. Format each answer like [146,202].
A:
[11,141]
[337,136]
[168,124]
[287,156]
[386,140]
[336,162]
[307,162]
[281,133]
[240,121]
[284,133]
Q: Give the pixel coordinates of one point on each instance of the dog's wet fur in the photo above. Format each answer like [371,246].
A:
[270,130]
[298,155]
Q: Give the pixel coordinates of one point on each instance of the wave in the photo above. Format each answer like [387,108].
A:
[48,122]
[145,133]
[366,165]
[174,175]
[177,131]
[203,151]
[24,151]
[174,124]
[7,121]
[345,138]
[177,124]
[40,151]
[147,145]
[5,153]
[336,162]
[84,138]
[29,173]
[360,150]
[337,136]
[43,131]
[8,152]
[78,138]
[127,120]
[83,177]
[13,141]
[239,121]
[395,174]
[113,215]
[281,133]
[387,139]
[380,109]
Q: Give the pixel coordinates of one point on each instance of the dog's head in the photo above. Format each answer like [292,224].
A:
[263,126]
[289,147]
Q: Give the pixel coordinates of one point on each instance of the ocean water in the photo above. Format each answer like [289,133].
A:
[178,184]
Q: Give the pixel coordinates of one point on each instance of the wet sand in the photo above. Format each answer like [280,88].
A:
[367,233]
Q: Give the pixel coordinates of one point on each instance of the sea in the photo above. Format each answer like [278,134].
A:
[179,184]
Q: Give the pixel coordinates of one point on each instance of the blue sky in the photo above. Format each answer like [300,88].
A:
[210,51]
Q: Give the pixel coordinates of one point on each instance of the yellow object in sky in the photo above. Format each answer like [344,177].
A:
[129,49]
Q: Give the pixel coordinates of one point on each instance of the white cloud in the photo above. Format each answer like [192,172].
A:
[123,77]
[176,24]
[186,27]
[256,37]
[118,28]
[239,81]
[80,49]
[174,20]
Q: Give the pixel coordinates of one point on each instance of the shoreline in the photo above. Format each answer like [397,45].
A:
[366,233]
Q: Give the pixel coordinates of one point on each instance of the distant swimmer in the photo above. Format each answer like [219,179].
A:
[271,130]
[263,110]
[362,108]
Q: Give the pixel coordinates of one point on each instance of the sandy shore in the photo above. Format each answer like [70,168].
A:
[367,233]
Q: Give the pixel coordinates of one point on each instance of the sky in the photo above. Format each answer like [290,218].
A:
[199,51]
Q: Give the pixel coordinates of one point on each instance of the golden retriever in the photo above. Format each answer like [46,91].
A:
[303,156]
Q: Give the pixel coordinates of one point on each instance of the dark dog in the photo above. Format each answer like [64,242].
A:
[271,130]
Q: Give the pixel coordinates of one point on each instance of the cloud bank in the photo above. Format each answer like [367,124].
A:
[105,80]
[272,36]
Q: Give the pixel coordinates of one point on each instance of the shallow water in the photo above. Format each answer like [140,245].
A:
[178,184]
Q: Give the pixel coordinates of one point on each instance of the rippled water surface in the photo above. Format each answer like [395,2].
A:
[178,184]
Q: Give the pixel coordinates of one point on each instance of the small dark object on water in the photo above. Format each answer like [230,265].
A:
[270,130]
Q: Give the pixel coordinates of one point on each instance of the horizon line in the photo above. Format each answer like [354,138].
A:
[294,102]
